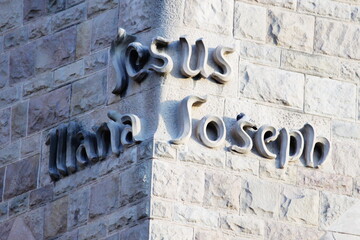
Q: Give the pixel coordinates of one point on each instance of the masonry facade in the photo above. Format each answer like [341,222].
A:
[286,67]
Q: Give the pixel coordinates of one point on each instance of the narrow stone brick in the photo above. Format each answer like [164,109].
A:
[326,8]
[196,215]
[35,222]
[39,29]
[48,109]
[41,196]
[165,230]
[16,38]
[33,9]
[9,96]
[68,17]
[259,53]
[104,30]
[96,7]
[54,6]
[140,231]
[243,225]
[19,115]
[268,170]
[4,69]
[79,207]
[83,39]
[21,177]
[96,61]
[279,230]
[30,145]
[55,218]
[237,163]
[96,230]
[40,84]
[5,126]
[10,14]
[206,157]
[9,153]
[19,204]
[69,73]
[22,64]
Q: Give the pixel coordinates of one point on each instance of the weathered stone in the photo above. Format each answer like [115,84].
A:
[39,29]
[335,38]
[122,219]
[350,70]
[196,215]
[314,178]
[22,64]
[325,8]
[35,221]
[41,196]
[33,9]
[276,231]
[3,211]
[164,230]
[261,83]
[68,18]
[16,38]
[291,30]
[38,85]
[5,229]
[21,177]
[348,222]
[218,20]
[162,209]
[30,145]
[69,73]
[4,69]
[259,53]
[270,171]
[191,185]
[88,93]
[309,63]
[339,236]
[105,202]
[2,180]
[343,157]
[96,7]
[331,97]
[332,206]
[299,205]
[55,5]
[55,50]
[19,204]
[83,39]
[19,120]
[11,12]
[164,150]
[48,109]
[237,163]
[222,191]
[93,231]
[345,129]
[104,29]
[56,218]
[137,232]
[259,198]
[165,180]
[10,153]
[243,225]
[355,13]
[207,157]
[9,96]
[290,4]
[20,230]
[249,21]
[5,126]
[70,3]
[96,61]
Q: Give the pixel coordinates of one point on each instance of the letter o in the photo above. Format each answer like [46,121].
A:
[211,131]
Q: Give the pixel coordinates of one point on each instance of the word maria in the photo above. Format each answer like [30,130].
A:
[132,60]
[302,144]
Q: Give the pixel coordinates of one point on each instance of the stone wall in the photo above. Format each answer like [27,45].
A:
[295,62]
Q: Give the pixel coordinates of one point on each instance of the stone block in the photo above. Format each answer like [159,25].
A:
[196,215]
[39,29]
[21,177]
[54,6]
[9,153]
[96,61]
[259,53]
[41,196]
[19,115]
[350,70]
[22,64]
[268,170]
[164,150]
[48,109]
[83,39]
[191,185]
[5,125]
[242,164]
[309,63]
[35,222]
[219,19]
[331,97]
[33,9]
[326,8]
[104,29]
[299,205]
[164,230]
[243,225]
[4,69]
[55,218]
[9,96]
[95,7]
[11,12]
[250,21]
[202,156]
[19,204]
[165,180]
[104,197]
[88,93]
[69,73]
[344,152]
[336,38]
[262,84]
[332,206]
[291,30]
[30,145]
[222,191]
[259,198]
[138,232]
[313,178]
[71,3]
[93,231]
[161,209]
[3,211]
[55,50]
[16,38]
[278,230]
[68,17]
[355,13]
[40,84]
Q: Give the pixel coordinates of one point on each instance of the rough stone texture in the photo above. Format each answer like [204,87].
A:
[343,157]
[38,85]
[83,39]
[326,96]
[41,196]
[9,96]
[290,30]
[33,9]
[160,230]
[16,38]
[79,207]
[68,18]
[243,225]
[96,7]
[249,22]
[191,185]
[55,221]
[22,64]
[93,231]
[9,153]
[326,8]
[69,73]
[4,69]
[274,231]
[5,125]
[88,93]
[30,145]
[270,171]
[10,14]
[262,83]
[258,53]
[18,204]
[19,120]
[48,109]
[39,29]
[104,30]
[21,177]
[246,165]
[96,62]
[196,215]
[54,6]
